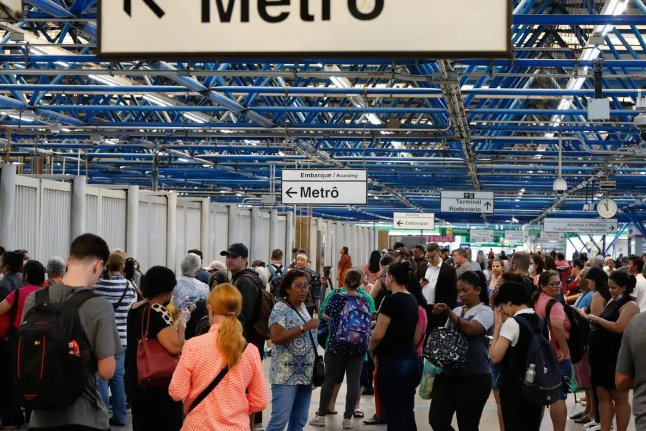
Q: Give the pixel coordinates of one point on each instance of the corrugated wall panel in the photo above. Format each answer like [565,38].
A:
[220,234]
[265,250]
[180,220]
[143,236]
[26,219]
[245,227]
[193,229]
[113,221]
[282,238]
[152,232]
[92,214]
[56,216]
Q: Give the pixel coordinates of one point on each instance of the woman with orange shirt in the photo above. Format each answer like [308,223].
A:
[242,390]
[345,263]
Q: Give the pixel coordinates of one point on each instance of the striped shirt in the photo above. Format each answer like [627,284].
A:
[112,290]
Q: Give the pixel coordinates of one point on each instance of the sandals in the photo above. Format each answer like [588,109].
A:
[358,413]
[577,416]
[583,420]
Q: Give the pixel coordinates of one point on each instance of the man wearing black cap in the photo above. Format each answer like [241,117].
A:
[249,285]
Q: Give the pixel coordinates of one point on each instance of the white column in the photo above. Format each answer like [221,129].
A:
[256,232]
[234,224]
[273,233]
[132,221]
[7,205]
[289,234]
[79,188]
[171,226]
[205,228]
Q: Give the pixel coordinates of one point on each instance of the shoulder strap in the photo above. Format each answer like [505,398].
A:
[205,393]
[78,298]
[123,296]
[548,308]
[290,305]
[14,307]
[41,296]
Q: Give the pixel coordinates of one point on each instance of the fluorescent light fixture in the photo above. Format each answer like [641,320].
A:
[193,117]
[183,160]
[107,80]
[374,119]
[156,100]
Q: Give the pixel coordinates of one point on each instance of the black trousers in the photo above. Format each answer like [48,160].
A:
[464,396]
[397,378]
[517,414]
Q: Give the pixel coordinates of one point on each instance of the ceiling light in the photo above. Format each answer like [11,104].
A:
[107,80]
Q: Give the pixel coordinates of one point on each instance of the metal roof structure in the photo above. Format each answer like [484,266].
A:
[224,128]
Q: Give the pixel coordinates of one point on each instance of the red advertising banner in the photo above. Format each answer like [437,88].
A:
[441,238]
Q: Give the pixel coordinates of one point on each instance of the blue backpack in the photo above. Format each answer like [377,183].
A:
[546,388]
[354,327]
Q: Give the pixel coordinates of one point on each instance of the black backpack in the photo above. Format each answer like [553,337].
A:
[579,330]
[546,388]
[263,307]
[275,279]
[52,353]
[192,326]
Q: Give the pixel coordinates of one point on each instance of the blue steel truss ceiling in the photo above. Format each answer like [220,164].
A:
[419,126]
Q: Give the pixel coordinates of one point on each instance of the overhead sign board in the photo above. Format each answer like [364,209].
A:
[575,225]
[515,236]
[303,28]
[552,237]
[325,187]
[414,221]
[467,202]
[481,235]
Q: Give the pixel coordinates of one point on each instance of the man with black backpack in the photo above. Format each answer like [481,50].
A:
[254,316]
[276,271]
[68,337]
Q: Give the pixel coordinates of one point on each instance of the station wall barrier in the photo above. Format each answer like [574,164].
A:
[43,215]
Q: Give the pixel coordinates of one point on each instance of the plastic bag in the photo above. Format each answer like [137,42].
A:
[428,378]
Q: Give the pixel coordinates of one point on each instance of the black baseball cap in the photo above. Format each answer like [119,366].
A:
[236,250]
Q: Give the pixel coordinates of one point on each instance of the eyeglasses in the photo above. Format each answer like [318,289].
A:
[556,283]
[303,286]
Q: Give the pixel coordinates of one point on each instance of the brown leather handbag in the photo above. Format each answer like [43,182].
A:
[155,364]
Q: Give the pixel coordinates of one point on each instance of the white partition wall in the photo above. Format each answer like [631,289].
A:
[157,228]
[152,229]
[55,217]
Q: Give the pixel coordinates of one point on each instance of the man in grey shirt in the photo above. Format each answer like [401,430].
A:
[630,376]
[88,254]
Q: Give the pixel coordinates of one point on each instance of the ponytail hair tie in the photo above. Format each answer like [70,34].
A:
[231,313]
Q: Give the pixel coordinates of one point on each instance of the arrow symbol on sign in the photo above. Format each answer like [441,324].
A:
[399,223]
[487,205]
[611,227]
[290,192]
[127,7]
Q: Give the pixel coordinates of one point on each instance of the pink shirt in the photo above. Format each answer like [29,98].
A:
[556,313]
[227,407]
[24,293]
[422,322]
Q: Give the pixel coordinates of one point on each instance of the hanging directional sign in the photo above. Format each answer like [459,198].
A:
[325,187]
[516,236]
[576,225]
[467,202]
[303,28]
[552,236]
[481,235]
[414,221]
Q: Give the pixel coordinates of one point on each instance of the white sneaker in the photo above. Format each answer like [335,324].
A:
[318,421]
[590,425]
[347,424]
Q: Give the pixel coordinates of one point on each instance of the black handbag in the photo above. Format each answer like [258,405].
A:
[446,348]
[318,375]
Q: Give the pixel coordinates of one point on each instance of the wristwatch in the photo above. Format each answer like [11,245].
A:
[302,329]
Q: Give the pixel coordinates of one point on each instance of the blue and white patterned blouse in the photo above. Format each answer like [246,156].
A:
[291,363]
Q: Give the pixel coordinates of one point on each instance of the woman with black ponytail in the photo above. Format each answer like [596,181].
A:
[392,348]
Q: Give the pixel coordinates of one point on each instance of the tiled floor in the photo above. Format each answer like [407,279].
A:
[489,420]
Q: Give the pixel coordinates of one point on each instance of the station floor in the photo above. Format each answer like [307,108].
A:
[489,421]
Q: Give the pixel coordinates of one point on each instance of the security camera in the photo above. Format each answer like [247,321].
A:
[560,186]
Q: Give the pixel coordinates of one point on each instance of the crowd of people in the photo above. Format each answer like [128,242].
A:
[185,351]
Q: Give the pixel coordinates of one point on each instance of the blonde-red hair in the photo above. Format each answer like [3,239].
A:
[225,300]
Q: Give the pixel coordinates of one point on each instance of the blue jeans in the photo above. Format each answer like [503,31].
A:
[289,404]
[118,390]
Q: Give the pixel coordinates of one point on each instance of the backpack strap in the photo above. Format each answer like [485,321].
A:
[14,307]
[41,296]
[123,296]
[548,308]
[78,298]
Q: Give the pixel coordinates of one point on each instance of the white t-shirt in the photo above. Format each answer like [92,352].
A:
[432,274]
[640,292]
[511,329]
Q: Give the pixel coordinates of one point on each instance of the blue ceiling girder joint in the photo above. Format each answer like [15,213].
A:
[594,242]
[639,225]
[621,230]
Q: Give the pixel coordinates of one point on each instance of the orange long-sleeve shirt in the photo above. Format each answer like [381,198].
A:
[227,407]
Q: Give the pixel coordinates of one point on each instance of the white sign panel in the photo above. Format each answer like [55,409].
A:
[515,236]
[481,235]
[467,202]
[257,28]
[575,225]
[414,221]
[552,237]
[325,187]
